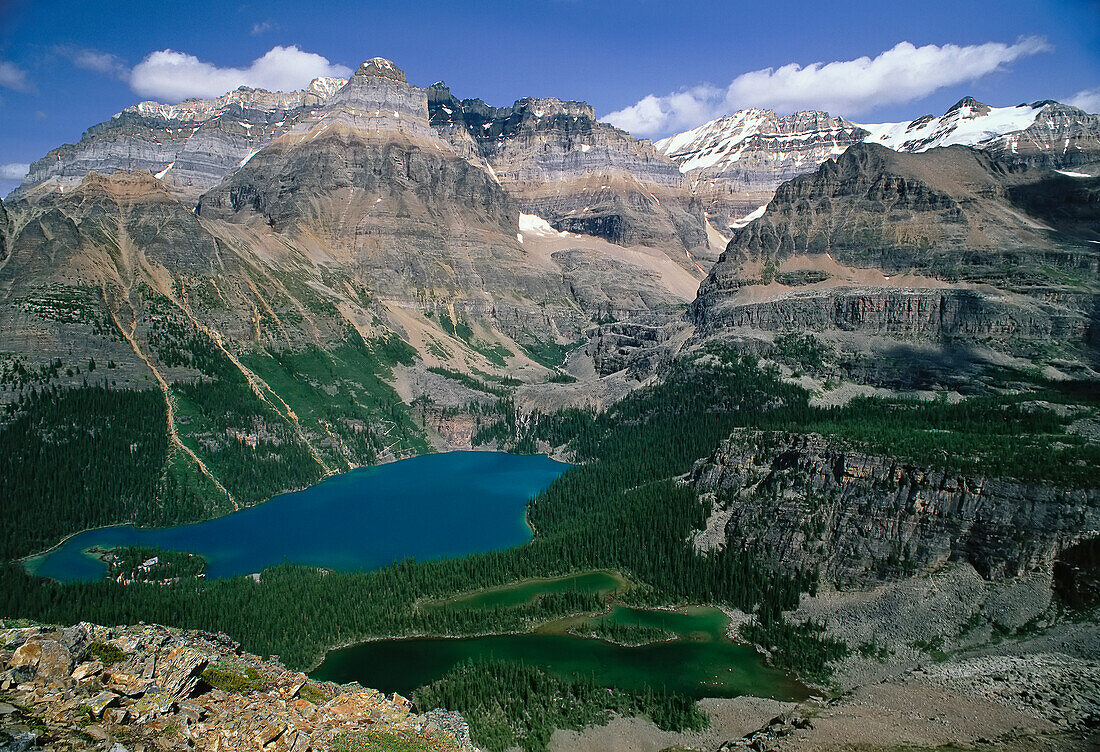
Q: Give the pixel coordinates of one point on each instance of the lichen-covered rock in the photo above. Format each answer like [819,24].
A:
[175,708]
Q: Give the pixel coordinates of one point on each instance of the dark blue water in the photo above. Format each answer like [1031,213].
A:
[438,505]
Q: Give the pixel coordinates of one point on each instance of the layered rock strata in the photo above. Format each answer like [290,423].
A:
[805,505]
[191,145]
[948,243]
[559,162]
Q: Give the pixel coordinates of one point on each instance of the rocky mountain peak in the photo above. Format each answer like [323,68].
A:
[380,66]
[377,101]
[191,145]
[321,90]
[968,107]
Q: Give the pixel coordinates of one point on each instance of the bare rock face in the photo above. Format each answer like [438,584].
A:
[191,146]
[5,232]
[805,504]
[174,689]
[389,199]
[950,242]
[905,313]
[558,162]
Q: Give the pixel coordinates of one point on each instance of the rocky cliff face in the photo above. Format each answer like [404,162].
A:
[907,313]
[191,146]
[806,505]
[88,687]
[5,232]
[367,182]
[558,162]
[949,242]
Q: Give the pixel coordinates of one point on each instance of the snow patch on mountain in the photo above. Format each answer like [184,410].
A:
[533,224]
[759,136]
[754,214]
[969,123]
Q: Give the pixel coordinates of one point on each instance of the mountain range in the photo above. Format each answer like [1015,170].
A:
[860,358]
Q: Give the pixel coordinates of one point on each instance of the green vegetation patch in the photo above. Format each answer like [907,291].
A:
[600,584]
[471,382]
[78,458]
[310,692]
[239,680]
[511,704]
[382,741]
[802,648]
[245,443]
[630,635]
[548,352]
[494,352]
[150,564]
[106,653]
[341,398]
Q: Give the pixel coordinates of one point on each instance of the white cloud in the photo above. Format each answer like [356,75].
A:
[1087,99]
[845,87]
[175,76]
[13,170]
[13,77]
[262,27]
[94,60]
[101,62]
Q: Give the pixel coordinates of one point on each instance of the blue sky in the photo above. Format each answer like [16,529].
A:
[654,67]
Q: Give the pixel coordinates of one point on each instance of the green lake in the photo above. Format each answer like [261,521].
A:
[700,662]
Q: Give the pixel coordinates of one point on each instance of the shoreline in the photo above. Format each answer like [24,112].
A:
[537,627]
[23,560]
[810,689]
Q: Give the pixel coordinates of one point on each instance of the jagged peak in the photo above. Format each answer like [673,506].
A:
[318,91]
[968,107]
[381,67]
[325,86]
[550,106]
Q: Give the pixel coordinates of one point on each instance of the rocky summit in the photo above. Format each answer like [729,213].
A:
[191,145]
[137,688]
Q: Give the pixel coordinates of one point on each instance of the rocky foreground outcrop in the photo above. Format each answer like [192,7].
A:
[128,689]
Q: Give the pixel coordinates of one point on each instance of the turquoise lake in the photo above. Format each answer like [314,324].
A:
[437,505]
